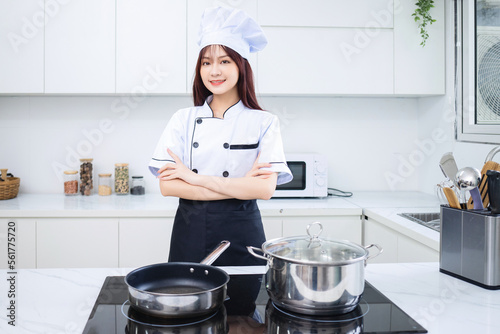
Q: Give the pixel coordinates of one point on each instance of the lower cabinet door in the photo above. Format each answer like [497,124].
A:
[398,248]
[272,227]
[77,243]
[144,241]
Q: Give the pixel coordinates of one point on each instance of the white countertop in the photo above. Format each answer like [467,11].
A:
[155,205]
[151,205]
[60,300]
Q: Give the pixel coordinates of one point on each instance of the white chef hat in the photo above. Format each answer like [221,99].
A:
[232,28]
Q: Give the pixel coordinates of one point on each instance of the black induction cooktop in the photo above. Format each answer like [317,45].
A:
[248,310]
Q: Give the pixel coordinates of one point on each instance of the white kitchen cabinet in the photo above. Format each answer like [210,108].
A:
[80,48]
[326,13]
[273,227]
[397,247]
[334,227]
[150,46]
[77,243]
[144,241]
[21,46]
[22,243]
[302,60]
[195,9]
[418,70]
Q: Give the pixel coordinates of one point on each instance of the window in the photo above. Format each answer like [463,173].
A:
[478,70]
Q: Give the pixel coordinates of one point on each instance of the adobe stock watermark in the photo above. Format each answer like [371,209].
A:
[32,26]
[121,107]
[363,37]
[285,118]
[424,148]
[437,306]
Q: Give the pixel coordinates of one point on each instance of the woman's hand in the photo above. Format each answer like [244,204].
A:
[177,170]
[256,170]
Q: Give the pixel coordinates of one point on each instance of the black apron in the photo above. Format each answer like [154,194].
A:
[199,226]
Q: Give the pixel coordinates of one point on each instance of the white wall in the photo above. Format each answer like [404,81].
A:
[42,135]
[371,143]
[438,114]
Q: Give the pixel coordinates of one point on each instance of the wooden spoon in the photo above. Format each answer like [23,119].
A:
[451,197]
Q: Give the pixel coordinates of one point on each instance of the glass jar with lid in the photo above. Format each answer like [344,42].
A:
[121,179]
[137,186]
[70,182]
[104,188]
[86,179]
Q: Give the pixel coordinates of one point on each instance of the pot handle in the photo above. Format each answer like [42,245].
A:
[252,250]
[380,250]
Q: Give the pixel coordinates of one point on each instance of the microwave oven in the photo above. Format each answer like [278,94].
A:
[310,176]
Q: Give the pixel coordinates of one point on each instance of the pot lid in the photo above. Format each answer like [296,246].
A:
[311,249]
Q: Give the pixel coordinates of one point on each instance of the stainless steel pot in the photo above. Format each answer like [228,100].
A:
[315,276]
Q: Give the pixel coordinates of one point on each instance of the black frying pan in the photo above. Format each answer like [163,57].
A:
[179,289]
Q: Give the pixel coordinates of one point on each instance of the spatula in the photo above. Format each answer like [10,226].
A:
[483,185]
[448,166]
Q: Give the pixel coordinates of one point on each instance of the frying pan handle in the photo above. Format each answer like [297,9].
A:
[252,250]
[214,255]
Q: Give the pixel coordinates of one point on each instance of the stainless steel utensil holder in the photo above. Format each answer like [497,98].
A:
[470,246]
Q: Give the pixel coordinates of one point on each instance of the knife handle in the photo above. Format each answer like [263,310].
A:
[476,197]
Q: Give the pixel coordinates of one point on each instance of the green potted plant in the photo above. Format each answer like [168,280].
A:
[423,18]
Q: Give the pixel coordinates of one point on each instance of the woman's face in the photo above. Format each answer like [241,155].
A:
[219,72]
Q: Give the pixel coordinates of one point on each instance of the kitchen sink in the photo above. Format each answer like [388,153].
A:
[427,219]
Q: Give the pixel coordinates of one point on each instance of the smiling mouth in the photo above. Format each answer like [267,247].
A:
[217,82]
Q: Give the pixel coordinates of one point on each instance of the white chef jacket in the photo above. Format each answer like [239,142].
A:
[225,147]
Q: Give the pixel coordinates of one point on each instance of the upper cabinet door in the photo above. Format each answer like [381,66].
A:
[418,70]
[21,46]
[151,46]
[80,48]
[326,61]
[326,13]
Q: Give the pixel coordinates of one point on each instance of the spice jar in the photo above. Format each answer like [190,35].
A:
[86,182]
[104,188]
[70,182]
[121,179]
[137,186]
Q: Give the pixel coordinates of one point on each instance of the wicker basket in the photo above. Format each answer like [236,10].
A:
[9,187]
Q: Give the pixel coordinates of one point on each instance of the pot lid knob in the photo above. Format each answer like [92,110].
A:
[314,240]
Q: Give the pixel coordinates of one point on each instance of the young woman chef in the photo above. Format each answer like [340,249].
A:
[222,154]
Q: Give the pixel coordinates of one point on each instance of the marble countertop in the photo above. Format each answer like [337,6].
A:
[152,205]
[60,300]
[155,205]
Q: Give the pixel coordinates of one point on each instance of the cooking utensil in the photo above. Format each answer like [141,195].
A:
[483,185]
[179,289]
[451,197]
[468,178]
[494,190]
[448,166]
[314,276]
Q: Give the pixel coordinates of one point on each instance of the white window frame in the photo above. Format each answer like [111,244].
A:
[465,85]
